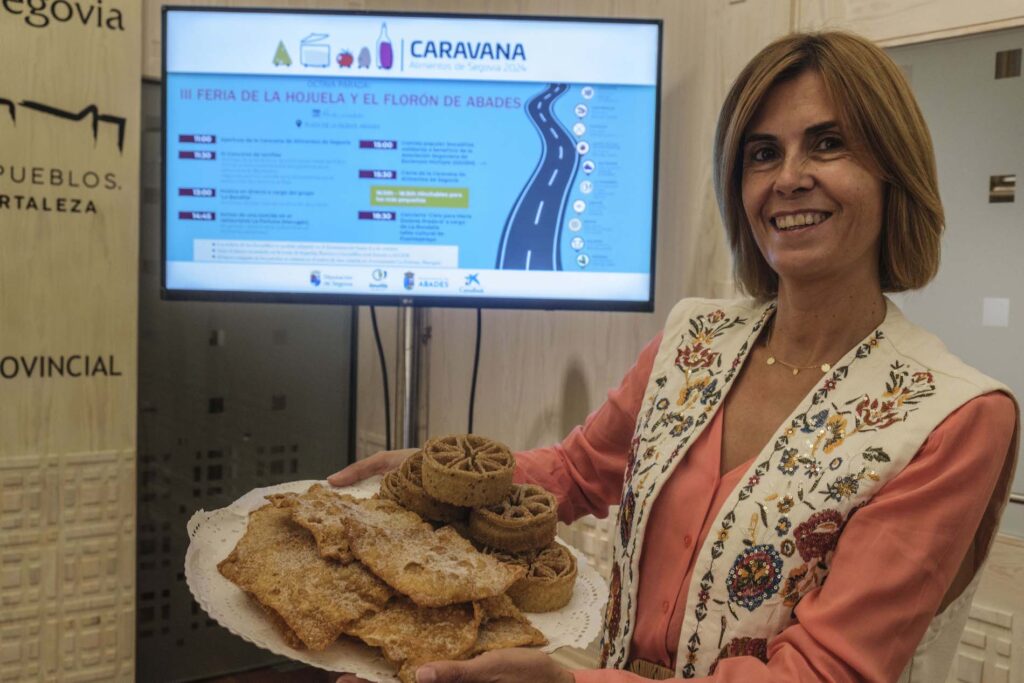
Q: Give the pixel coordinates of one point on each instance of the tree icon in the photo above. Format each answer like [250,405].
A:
[282,56]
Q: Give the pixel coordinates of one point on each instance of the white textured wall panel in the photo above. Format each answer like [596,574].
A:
[67,567]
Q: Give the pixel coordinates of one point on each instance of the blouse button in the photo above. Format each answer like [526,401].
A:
[687,541]
[665,606]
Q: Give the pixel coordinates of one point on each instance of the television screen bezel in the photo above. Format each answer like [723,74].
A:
[358,299]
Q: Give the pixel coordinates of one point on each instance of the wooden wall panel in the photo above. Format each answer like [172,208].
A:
[69,132]
[68,267]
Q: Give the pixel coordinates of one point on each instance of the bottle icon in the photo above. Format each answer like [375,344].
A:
[385,56]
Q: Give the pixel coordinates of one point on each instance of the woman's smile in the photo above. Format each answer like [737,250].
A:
[801,220]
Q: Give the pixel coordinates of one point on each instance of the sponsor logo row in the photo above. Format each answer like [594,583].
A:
[408,280]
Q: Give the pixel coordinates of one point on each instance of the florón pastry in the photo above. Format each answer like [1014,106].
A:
[390,487]
[412,495]
[525,519]
[549,580]
[467,470]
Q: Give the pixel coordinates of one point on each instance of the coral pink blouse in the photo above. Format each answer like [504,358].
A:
[892,567]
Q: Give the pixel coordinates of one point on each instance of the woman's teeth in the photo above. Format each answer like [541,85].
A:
[799,220]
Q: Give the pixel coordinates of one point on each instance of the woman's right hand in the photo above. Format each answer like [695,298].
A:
[380,462]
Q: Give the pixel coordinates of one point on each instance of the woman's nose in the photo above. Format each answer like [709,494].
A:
[794,175]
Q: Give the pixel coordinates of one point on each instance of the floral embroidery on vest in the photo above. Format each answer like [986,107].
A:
[672,420]
[613,611]
[774,539]
[799,453]
[742,647]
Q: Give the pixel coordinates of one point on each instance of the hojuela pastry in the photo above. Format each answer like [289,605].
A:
[412,495]
[277,562]
[281,625]
[446,600]
[433,568]
[504,626]
[467,470]
[314,510]
[411,636]
[525,519]
[549,580]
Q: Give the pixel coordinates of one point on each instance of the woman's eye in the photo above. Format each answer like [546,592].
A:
[829,143]
[762,154]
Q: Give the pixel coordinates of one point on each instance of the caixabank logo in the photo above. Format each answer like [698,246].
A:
[44,13]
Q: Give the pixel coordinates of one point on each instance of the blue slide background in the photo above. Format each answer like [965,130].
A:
[506,150]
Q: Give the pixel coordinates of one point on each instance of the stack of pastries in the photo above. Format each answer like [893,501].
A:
[398,572]
[466,481]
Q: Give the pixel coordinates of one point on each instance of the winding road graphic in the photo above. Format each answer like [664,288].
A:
[530,239]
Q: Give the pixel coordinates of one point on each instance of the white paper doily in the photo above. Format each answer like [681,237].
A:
[213,535]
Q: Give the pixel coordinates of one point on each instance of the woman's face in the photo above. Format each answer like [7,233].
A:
[814,209]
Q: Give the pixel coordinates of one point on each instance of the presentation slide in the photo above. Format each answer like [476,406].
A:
[409,156]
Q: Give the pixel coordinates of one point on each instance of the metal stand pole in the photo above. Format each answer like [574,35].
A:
[409,377]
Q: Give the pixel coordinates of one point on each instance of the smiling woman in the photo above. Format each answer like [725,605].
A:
[761,446]
[869,111]
[813,208]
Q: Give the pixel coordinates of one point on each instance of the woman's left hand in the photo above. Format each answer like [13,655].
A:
[497,666]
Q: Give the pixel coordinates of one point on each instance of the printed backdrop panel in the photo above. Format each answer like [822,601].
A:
[69,166]
[69,109]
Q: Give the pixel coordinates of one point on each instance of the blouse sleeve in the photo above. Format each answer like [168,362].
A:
[585,470]
[866,620]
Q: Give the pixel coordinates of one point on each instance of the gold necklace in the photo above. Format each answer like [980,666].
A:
[772,360]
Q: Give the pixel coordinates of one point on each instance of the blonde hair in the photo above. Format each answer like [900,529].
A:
[881,118]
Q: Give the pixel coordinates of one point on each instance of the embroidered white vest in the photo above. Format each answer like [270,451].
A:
[773,539]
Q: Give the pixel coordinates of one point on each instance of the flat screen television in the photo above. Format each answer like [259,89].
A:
[409,159]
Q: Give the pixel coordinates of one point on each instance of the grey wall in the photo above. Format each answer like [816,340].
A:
[976,125]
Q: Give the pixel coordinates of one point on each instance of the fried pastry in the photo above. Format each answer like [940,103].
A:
[390,486]
[549,580]
[278,563]
[467,470]
[412,495]
[411,636]
[526,519]
[290,637]
[504,626]
[433,568]
[315,510]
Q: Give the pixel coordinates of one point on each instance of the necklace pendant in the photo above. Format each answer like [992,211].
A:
[771,360]
[796,371]
[825,367]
